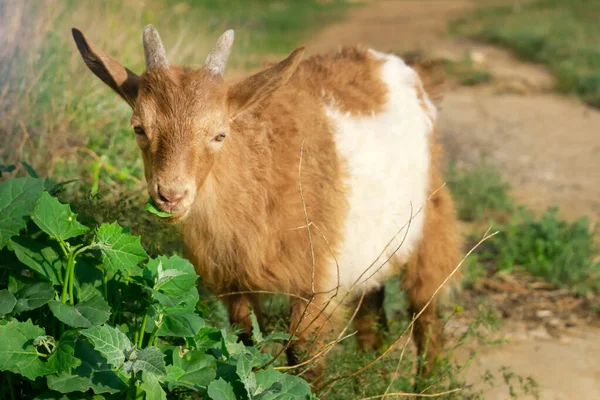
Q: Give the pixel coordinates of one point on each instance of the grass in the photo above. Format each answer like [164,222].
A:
[67,124]
[563,35]
[479,192]
[562,252]
[565,253]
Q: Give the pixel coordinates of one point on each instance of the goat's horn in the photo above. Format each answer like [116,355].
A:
[216,61]
[154,50]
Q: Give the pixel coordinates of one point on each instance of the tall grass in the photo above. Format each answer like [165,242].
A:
[59,118]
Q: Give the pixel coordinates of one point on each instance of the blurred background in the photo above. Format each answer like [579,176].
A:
[520,122]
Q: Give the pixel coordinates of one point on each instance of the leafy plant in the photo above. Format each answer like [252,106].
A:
[560,251]
[87,312]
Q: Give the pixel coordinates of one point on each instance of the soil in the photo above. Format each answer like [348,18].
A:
[544,144]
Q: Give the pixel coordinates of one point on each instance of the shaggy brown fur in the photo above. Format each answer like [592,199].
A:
[243,219]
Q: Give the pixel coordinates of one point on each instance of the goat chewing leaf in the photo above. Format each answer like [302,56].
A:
[151,207]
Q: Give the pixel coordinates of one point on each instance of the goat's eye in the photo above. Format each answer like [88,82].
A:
[139,131]
[219,138]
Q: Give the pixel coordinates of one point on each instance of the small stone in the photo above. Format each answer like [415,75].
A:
[542,314]
[555,322]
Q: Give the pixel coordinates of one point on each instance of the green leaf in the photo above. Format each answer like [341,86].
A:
[257,336]
[151,207]
[86,314]
[63,358]
[120,250]
[33,296]
[42,258]
[7,168]
[17,352]
[149,360]
[7,302]
[109,341]
[243,369]
[151,386]
[30,170]
[207,338]
[185,301]
[18,198]
[180,325]
[57,219]
[93,373]
[199,369]
[173,275]
[273,385]
[221,390]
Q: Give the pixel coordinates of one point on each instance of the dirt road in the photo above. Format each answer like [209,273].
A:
[544,144]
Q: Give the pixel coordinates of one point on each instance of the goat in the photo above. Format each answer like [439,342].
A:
[313,178]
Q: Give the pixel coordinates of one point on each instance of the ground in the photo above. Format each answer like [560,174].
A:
[544,144]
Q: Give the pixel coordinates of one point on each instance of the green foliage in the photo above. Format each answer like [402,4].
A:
[565,37]
[88,311]
[478,192]
[560,251]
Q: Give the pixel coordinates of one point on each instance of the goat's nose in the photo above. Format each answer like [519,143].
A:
[170,196]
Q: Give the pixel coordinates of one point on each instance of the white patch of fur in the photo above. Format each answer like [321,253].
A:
[387,155]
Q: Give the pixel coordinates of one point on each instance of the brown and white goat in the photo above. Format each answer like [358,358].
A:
[310,178]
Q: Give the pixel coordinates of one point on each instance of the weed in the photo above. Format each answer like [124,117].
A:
[547,246]
[478,192]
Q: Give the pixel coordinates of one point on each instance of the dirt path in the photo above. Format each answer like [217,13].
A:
[544,144]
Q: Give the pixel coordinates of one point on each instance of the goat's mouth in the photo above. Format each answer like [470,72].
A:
[165,212]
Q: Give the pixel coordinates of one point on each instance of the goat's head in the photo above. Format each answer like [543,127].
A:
[181,118]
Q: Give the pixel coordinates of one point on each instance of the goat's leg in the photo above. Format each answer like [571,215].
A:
[239,306]
[434,260]
[370,320]
[312,325]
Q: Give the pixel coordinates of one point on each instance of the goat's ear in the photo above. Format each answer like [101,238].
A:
[110,71]
[251,90]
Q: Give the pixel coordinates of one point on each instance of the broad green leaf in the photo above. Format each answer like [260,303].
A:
[93,373]
[120,250]
[149,360]
[207,338]
[243,369]
[86,314]
[174,285]
[152,208]
[63,358]
[7,302]
[17,352]
[199,369]
[57,219]
[42,258]
[221,390]
[180,325]
[273,385]
[110,342]
[72,396]
[33,296]
[151,386]
[185,301]
[18,198]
